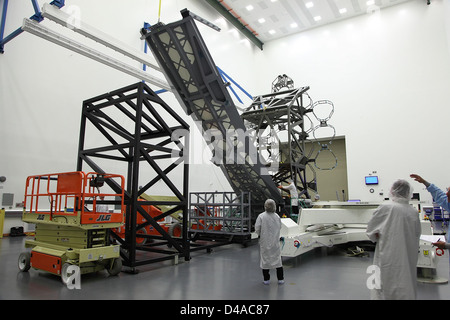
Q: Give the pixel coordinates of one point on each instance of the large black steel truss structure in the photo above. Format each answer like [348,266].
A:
[133,132]
[182,54]
[245,146]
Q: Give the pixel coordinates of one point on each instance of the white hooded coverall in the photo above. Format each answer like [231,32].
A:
[395,228]
[268,226]
[294,193]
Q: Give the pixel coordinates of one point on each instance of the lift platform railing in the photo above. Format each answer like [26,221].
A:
[72,194]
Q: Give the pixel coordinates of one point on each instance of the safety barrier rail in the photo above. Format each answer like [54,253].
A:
[220,213]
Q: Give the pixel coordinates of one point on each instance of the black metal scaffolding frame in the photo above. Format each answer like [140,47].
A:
[287,110]
[150,139]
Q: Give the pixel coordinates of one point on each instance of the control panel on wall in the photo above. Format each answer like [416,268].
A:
[372,182]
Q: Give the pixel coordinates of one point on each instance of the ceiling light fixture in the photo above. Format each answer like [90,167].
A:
[309,5]
[262,20]
[317,18]
[249,7]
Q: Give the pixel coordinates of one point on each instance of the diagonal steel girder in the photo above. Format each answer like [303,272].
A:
[182,54]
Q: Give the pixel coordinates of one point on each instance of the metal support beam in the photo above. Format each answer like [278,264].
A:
[2,24]
[57,38]
[37,12]
[180,50]
[37,17]
[78,26]
[58,3]
[235,22]
[226,78]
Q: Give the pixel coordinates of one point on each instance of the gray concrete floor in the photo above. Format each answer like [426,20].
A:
[230,272]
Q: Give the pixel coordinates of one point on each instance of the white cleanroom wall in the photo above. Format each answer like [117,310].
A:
[388,75]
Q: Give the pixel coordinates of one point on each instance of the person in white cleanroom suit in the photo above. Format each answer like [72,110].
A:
[292,189]
[395,227]
[268,226]
[441,198]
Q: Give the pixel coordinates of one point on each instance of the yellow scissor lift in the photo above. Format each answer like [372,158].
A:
[74,231]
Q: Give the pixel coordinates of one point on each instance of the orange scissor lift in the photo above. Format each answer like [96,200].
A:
[74,230]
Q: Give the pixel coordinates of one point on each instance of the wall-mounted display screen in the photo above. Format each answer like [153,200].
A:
[371,180]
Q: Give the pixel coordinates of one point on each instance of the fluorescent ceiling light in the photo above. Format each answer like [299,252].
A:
[249,7]
[370,2]
[50,35]
[53,13]
[317,18]
[272,31]
[262,20]
[294,25]
[343,10]
[309,5]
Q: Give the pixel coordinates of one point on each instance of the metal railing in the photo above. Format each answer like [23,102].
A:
[70,194]
[220,213]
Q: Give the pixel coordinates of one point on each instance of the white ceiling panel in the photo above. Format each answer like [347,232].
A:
[273,19]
